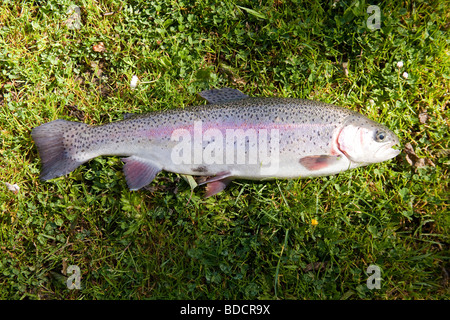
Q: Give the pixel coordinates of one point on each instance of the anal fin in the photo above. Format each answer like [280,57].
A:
[139,172]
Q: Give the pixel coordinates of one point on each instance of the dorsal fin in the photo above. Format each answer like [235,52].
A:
[128,115]
[222,95]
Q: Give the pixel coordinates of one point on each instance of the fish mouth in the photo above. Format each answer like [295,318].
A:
[388,151]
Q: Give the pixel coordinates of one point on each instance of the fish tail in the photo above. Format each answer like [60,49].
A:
[56,158]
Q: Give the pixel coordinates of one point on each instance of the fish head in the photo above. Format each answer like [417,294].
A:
[364,141]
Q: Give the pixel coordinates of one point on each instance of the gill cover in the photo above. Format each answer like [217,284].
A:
[364,141]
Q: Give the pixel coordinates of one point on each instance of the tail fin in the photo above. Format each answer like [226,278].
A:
[53,150]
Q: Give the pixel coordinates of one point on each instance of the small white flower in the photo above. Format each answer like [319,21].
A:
[372,102]
[405,75]
[134,81]
[400,64]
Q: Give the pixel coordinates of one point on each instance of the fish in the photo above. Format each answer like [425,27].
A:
[233,136]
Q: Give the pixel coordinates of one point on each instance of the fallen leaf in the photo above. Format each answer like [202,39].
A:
[99,47]
[189,179]
[12,187]
[315,266]
[97,68]
[74,17]
[423,117]
[415,160]
[64,267]
[75,112]
[345,67]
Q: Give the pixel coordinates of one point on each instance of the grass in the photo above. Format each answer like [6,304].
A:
[296,239]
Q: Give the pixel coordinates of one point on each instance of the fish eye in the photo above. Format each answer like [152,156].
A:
[380,136]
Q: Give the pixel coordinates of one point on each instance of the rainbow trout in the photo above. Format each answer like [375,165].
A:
[233,137]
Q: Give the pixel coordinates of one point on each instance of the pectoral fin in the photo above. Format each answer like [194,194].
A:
[314,163]
[139,172]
